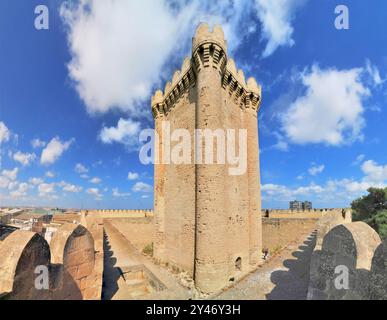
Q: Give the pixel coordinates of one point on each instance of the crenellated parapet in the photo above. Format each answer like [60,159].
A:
[247,95]
[209,50]
[182,80]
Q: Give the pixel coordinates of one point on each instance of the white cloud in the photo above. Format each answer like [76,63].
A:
[331,111]
[54,150]
[95,180]
[373,71]
[109,38]
[24,158]
[46,189]
[37,143]
[126,132]
[84,176]
[142,187]
[315,170]
[276,18]
[11,174]
[345,190]
[133,176]
[4,133]
[118,194]
[35,181]
[50,174]
[94,192]
[359,159]
[4,182]
[21,190]
[80,168]
[374,172]
[70,187]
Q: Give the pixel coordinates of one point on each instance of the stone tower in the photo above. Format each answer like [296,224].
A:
[208,222]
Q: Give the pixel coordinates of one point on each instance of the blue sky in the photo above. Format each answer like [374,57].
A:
[73,98]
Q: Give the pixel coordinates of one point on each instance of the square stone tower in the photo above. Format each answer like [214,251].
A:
[208,222]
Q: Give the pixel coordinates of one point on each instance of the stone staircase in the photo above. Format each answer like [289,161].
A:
[138,284]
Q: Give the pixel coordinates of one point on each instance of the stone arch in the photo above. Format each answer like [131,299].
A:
[73,254]
[352,246]
[21,252]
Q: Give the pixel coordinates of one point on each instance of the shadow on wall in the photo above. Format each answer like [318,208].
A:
[111,274]
[350,265]
[293,283]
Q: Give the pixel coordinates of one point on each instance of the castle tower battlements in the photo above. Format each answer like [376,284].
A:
[208,223]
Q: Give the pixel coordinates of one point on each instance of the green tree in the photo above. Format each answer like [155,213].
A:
[372,209]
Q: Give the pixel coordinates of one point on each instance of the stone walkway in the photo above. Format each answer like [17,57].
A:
[284,277]
[120,254]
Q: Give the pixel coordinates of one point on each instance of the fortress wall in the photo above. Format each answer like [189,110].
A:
[139,231]
[179,180]
[277,233]
[118,213]
[303,214]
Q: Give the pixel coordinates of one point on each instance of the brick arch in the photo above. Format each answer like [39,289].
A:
[21,252]
[72,248]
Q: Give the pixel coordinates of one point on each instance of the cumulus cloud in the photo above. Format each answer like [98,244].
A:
[46,189]
[120,48]
[133,176]
[142,187]
[37,143]
[347,189]
[331,111]
[117,194]
[95,180]
[70,187]
[50,174]
[315,170]
[4,133]
[80,168]
[36,181]
[54,150]
[276,18]
[21,191]
[374,172]
[94,192]
[126,132]
[10,174]
[24,158]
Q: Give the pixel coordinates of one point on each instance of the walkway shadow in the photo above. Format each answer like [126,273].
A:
[111,274]
[293,283]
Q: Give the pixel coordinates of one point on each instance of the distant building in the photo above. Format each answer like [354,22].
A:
[300,205]
[307,205]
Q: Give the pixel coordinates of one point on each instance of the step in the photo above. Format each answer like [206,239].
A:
[135,284]
[139,293]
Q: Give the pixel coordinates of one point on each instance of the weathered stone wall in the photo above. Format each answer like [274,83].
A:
[139,231]
[277,233]
[118,213]
[74,266]
[302,214]
[349,262]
